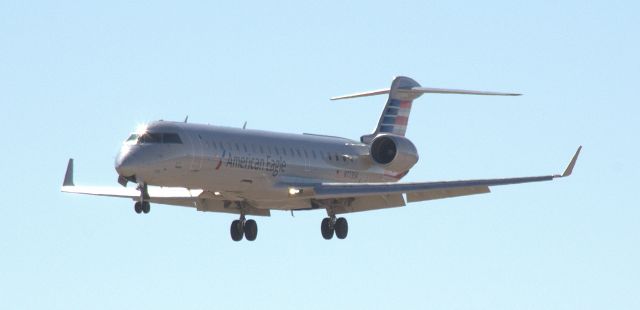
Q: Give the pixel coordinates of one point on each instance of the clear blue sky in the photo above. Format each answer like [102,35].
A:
[76,77]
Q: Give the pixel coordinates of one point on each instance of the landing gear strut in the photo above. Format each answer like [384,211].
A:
[243,227]
[143,204]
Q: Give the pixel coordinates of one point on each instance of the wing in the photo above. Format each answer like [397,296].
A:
[177,196]
[356,197]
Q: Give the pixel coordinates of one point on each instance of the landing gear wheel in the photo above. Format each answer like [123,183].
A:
[146,207]
[250,230]
[137,207]
[326,229]
[341,227]
[236,230]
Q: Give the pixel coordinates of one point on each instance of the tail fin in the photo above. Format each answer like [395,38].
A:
[395,116]
[402,92]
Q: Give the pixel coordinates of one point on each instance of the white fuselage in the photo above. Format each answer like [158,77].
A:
[244,163]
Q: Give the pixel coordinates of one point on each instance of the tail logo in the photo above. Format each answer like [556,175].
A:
[396,117]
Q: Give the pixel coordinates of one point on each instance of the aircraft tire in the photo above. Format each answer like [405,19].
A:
[250,230]
[146,207]
[326,229]
[236,230]
[341,227]
[137,207]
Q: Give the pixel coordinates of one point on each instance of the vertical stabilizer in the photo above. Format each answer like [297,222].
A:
[395,116]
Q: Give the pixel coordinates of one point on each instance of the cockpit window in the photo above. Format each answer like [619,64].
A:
[153,137]
[150,138]
[171,138]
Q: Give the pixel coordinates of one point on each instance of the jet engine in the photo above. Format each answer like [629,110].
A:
[395,153]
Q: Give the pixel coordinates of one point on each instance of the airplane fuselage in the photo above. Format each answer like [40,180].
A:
[244,163]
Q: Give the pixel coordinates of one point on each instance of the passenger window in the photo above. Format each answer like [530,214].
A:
[221,145]
[215,147]
[171,138]
[306,155]
[298,152]
[284,151]
[237,147]
[253,148]
[275,148]
[244,146]
[261,150]
[313,152]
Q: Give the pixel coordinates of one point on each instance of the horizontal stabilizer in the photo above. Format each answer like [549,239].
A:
[415,92]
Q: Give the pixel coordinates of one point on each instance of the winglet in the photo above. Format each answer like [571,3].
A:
[68,176]
[567,172]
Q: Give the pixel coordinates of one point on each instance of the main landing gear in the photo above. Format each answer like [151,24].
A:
[332,224]
[243,227]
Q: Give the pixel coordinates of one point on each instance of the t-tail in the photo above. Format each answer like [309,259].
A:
[395,116]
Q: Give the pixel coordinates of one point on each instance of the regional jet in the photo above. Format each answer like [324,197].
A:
[252,172]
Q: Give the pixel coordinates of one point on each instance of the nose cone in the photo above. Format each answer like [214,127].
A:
[125,163]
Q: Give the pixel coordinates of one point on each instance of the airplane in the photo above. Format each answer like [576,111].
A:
[252,172]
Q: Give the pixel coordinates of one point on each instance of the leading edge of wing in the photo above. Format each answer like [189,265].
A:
[335,190]
[159,192]
[68,186]
[327,190]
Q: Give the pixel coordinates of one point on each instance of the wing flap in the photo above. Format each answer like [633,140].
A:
[373,202]
[214,205]
[446,193]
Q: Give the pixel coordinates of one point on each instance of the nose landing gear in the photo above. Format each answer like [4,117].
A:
[143,205]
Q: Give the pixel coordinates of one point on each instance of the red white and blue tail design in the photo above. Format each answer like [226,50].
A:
[395,116]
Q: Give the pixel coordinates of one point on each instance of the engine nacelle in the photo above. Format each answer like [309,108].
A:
[395,153]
